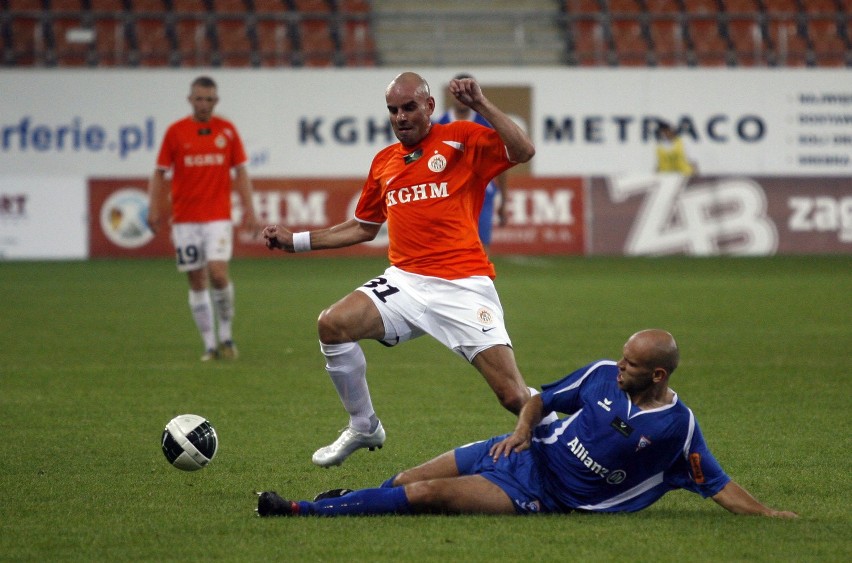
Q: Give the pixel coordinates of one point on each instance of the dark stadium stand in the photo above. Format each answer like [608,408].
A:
[322,33]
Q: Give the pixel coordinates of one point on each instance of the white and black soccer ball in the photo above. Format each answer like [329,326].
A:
[190,442]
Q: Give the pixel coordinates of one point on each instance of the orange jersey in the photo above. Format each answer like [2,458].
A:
[431,195]
[201,155]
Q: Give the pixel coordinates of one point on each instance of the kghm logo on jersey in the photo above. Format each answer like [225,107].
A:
[416,193]
[437,163]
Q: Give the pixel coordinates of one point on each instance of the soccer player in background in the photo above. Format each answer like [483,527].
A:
[458,111]
[671,154]
[201,150]
[626,441]
[429,188]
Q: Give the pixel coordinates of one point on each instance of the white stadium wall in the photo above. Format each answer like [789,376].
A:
[592,128]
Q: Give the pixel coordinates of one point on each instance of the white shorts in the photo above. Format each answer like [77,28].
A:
[465,315]
[199,243]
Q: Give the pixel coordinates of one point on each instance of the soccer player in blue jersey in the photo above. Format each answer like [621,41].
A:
[460,112]
[626,441]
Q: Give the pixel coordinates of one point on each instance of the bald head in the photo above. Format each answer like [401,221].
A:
[656,348]
[409,82]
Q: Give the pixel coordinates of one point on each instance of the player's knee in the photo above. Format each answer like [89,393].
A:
[425,495]
[328,328]
[513,399]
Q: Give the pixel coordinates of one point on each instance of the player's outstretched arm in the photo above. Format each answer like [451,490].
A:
[736,499]
[347,233]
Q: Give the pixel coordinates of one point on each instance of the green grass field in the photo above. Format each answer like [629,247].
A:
[97,356]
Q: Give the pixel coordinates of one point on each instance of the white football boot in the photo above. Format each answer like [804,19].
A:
[348,441]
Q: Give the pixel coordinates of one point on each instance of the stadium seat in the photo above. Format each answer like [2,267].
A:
[148,42]
[780,8]
[353,7]
[232,40]
[661,7]
[628,42]
[623,7]
[789,47]
[111,47]
[745,40]
[358,46]
[274,41]
[311,6]
[269,6]
[741,6]
[111,21]
[588,42]
[230,7]
[667,39]
[25,30]
[582,7]
[705,43]
[701,7]
[316,43]
[73,39]
[820,7]
[829,48]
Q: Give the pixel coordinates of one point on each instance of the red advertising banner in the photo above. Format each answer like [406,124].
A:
[668,214]
[545,216]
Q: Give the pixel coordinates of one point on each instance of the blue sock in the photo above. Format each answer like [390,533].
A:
[389,483]
[360,503]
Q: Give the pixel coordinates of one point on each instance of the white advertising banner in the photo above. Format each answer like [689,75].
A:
[331,122]
[43,217]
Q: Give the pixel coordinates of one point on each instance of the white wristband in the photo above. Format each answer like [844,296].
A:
[302,241]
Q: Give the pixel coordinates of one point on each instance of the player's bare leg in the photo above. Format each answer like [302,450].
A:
[441,467]
[497,365]
[470,494]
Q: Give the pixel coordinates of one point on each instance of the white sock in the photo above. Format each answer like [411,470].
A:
[347,367]
[202,312]
[223,303]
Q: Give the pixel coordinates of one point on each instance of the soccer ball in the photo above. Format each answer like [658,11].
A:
[190,442]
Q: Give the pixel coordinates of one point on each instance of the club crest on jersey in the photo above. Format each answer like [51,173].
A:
[220,141]
[644,442]
[437,163]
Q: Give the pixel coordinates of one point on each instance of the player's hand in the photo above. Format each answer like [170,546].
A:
[466,90]
[251,224]
[153,220]
[278,237]
[517,442]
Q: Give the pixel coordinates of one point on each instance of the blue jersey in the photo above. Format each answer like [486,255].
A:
[610,456]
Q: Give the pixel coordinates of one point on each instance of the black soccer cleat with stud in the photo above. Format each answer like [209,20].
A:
[270,504]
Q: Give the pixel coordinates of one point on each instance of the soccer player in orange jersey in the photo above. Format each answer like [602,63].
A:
[201,150]
[429,189]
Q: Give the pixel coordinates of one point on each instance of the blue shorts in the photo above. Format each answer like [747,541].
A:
[517,474]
